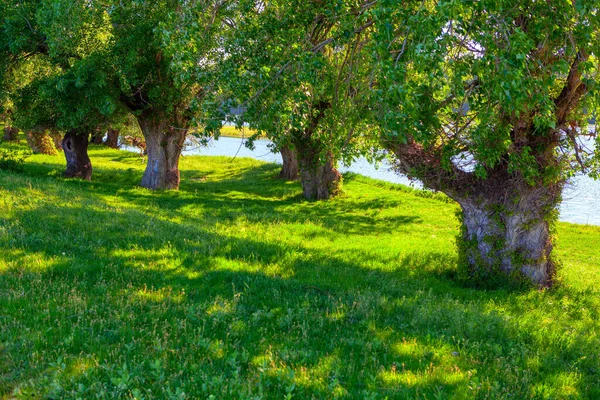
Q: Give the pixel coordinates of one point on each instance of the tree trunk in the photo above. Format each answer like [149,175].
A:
[112,138]
[318,175]
[41,142]
[511,236]
[75,147]
[164,145]
[289,170]
[97,137]
[11,133]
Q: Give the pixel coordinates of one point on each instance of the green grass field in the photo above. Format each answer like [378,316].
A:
[235,287]
[231,131]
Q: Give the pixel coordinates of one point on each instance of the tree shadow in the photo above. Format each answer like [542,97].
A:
[251,193]
[242,314]
[124,278]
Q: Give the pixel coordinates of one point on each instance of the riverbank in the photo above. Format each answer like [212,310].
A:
[236,287]
[581,196]
[232,132]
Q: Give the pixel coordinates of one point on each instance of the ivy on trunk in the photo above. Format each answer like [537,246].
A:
[509,234]
[319,178]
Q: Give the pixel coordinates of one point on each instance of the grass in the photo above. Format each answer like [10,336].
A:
[231,131]
[234,287]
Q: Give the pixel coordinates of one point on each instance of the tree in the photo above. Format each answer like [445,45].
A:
[59,50]
[112,137]
[162,51]
[297,71]
[290,169]
[41,138]
[485,101]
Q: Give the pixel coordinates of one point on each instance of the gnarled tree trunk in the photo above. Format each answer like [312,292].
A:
[112,138]
[510,234]
[75,146]
[290,168]
[163,144]
[318,175]
[10,133]
[40,142]
[506,223]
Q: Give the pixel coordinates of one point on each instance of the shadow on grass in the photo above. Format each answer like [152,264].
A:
[112,294]
[234,316]
[253,193]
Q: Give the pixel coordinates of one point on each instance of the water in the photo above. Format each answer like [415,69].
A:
[581,197]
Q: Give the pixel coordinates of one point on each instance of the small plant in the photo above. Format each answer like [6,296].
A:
[12,160]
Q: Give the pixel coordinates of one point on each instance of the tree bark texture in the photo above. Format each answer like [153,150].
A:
[40,142]
[318,175]
[112,138]
[11,133]
[511,235]
[290,168]
[75,146]
[163,145]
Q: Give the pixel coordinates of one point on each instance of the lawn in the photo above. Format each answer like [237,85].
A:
[235,287]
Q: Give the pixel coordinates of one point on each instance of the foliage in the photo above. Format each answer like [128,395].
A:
[297,67]
[485,85]
[60,75]
[234,287]
[164,53]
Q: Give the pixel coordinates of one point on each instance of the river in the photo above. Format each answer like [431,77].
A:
[581,197]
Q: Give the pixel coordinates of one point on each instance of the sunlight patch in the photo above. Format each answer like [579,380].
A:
[433,375]
[161,295]
[564,385]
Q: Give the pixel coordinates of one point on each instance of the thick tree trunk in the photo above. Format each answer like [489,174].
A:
[11,133]
[112,138]
[318,175]
[40,142]
[510,236]
[289,170]
[164,145]
[75,147]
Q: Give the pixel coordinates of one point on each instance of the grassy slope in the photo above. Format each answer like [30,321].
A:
[236,287]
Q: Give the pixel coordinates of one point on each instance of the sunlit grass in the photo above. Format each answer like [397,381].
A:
[232,131]
[235,287]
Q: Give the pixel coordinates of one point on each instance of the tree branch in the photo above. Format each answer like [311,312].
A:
[572,92]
